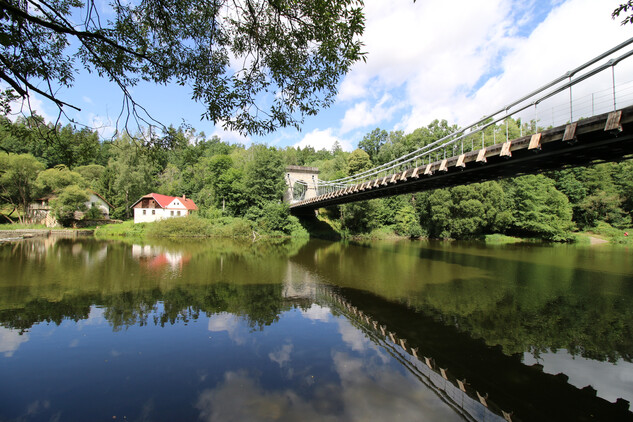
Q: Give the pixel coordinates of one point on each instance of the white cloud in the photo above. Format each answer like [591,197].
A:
[463,60]
[364,115]
[559,44]
[25,107]
[229,323]
[317,313]
[612,381]
[10,341]
[323,139]
[365,392]
[230,136]
[352,336]
[104,125]
[281,356]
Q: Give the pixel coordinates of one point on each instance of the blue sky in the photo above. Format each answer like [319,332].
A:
[430,59]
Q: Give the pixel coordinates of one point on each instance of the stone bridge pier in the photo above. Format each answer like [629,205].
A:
[301,183]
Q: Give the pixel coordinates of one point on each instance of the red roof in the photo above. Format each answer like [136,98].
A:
[164,200]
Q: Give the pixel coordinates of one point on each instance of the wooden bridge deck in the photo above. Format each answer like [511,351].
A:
[603,138]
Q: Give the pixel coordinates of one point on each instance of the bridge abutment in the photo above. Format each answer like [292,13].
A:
[302,182]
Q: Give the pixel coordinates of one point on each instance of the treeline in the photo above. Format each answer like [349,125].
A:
[234,181]
[548,206]
[224,180]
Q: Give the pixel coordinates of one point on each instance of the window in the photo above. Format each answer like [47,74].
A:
[178,212]
[144,212]
[172,213]
[153,212]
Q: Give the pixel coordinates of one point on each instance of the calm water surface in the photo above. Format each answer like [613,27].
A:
[226,331]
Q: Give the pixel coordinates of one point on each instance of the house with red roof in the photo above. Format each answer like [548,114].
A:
[154,207]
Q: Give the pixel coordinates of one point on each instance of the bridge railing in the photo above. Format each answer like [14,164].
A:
[607,99]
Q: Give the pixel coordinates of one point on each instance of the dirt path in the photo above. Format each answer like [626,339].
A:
[596,240]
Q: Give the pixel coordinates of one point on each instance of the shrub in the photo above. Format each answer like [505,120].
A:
[189,226]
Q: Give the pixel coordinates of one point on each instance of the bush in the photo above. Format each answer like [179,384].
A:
[408,223]
[93,213]
[189,226]
[127,228]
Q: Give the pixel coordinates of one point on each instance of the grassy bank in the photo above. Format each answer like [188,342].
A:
[18,226]
[197,227]
[612,235]
[499,239]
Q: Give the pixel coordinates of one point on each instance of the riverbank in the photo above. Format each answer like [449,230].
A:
[197,227]
[313,227]
[19,234]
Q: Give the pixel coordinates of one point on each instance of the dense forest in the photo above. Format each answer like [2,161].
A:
[234,181]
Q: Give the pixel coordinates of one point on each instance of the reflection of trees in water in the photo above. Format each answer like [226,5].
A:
[61,280]
[259,305]
[528,300]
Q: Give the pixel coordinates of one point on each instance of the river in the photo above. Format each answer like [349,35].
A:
[221,330]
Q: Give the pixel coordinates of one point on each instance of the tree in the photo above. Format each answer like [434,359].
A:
[358,161]
[408,222]
[624,7]
[92,174]
[72,198]
[373,141]
[539,208]
[288,54]
[358,217]
[602,206]
[129,175]
[17,180]
[264,176]
[57,178]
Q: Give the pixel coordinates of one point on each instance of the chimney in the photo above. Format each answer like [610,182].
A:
[183,196]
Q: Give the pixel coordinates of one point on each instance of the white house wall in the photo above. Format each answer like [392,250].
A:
[148,217]
[160,214]
[99,203]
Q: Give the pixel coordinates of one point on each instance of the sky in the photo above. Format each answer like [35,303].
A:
[429,59]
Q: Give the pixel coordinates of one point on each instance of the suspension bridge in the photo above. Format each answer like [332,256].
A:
[591,122]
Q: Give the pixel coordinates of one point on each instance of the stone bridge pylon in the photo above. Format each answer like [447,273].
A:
[301,183]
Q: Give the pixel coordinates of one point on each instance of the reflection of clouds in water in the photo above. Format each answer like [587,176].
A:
[366,392]
[240,398]
[10,341]
[282,355]
[377,392]
[317,313]
[37,406]
[352,336]
[147,410]
[95,317]
[231,324]
[611,381]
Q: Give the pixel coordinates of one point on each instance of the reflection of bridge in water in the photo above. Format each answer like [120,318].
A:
[478,381]
[458,394]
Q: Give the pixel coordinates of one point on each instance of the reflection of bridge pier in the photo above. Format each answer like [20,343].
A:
[299,283]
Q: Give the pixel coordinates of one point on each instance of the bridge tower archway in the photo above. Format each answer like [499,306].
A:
[301,183]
